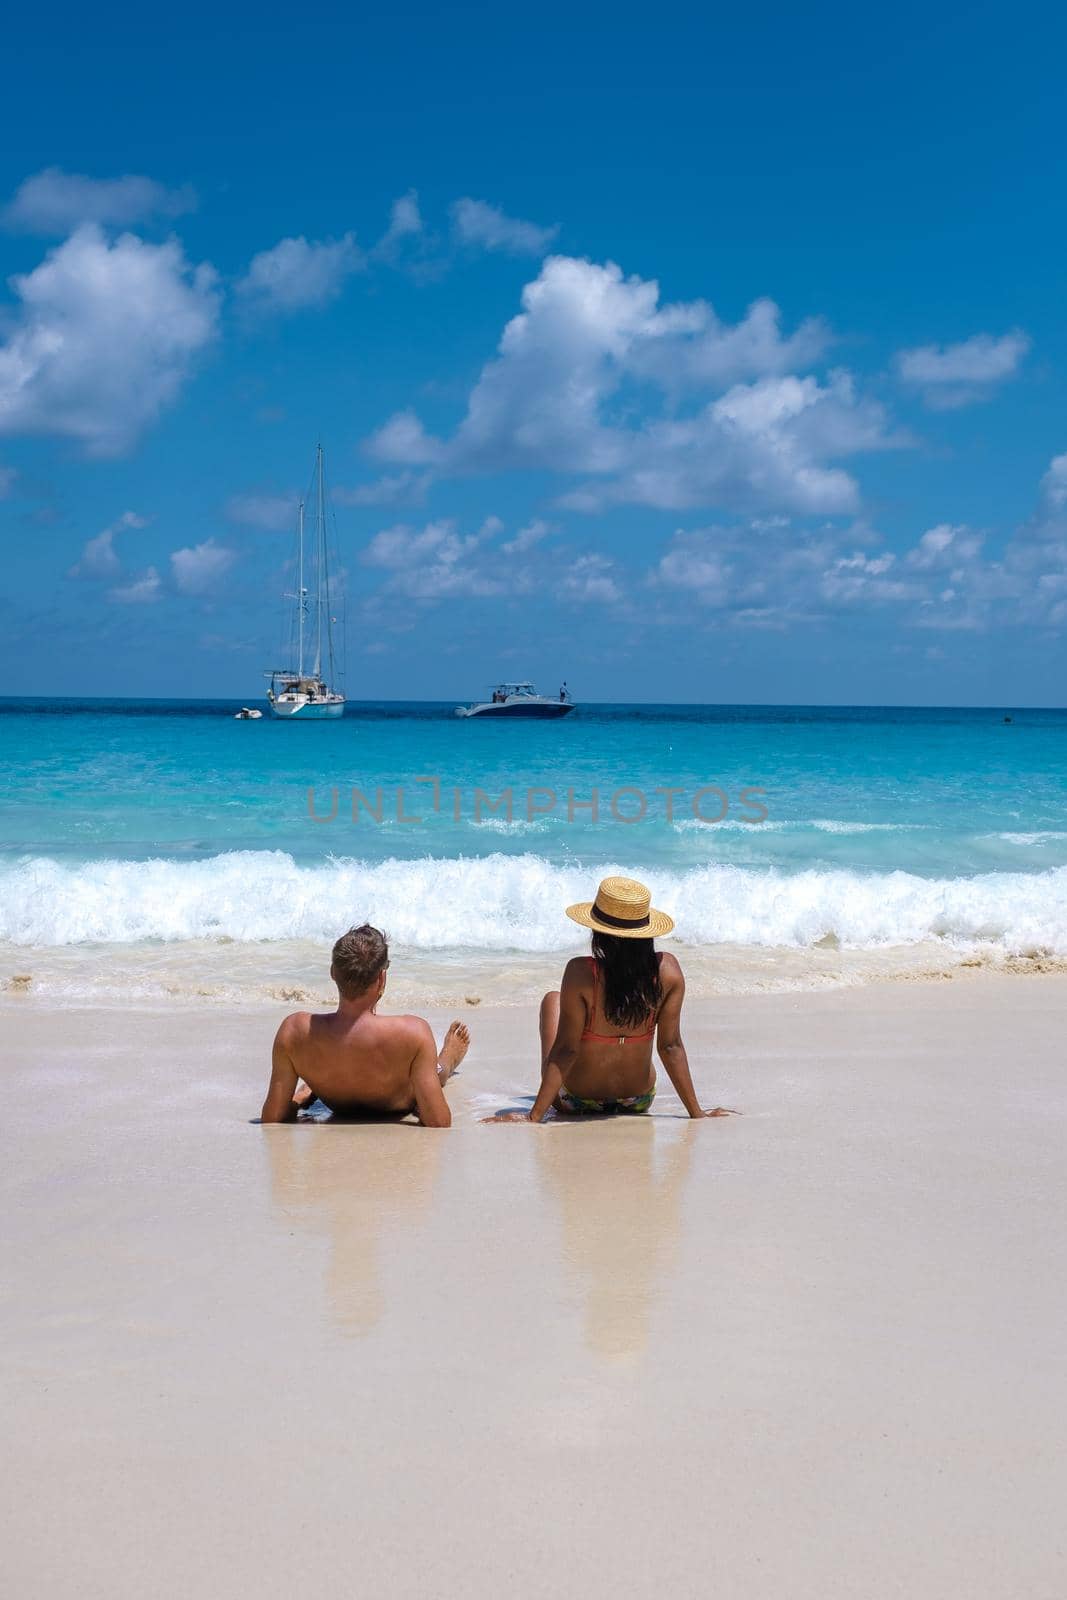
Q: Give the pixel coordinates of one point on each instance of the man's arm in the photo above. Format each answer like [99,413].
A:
[430,1102]
[672,1051]
[565,1049]
[279,1105]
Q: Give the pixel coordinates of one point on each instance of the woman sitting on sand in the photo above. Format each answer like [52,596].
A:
[597,1030]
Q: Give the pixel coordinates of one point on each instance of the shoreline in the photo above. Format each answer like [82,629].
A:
[256,976]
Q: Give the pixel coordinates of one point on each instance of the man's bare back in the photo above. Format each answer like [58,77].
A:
[355,1062]
[368,1066]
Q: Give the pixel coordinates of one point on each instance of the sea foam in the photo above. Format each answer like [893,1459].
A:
[513,902]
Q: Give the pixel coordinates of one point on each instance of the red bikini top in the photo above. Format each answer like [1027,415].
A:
[612,1038]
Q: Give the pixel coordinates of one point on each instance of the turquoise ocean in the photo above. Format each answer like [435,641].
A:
[132,832]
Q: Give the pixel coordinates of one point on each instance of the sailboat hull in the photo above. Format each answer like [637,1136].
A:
[306,710]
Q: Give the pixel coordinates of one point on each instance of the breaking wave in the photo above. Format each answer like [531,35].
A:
[514,902]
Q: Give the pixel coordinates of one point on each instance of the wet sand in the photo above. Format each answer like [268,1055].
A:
[294,972]
[814,1351]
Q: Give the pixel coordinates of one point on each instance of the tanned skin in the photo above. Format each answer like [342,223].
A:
[362,1065]
[600,1070]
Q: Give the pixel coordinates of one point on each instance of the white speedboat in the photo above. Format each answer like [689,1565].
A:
[519,700]
[247,714]
[308,690]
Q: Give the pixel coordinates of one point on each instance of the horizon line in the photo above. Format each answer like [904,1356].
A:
[724,705]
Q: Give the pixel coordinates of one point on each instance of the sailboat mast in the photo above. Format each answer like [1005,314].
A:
[306,692]
[320,567]
[300,599]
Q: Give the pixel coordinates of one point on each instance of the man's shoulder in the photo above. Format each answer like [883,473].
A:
[297,1025]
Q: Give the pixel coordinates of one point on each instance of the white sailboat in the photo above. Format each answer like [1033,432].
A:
[308,690]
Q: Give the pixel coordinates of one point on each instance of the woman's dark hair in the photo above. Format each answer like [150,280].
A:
[629,970]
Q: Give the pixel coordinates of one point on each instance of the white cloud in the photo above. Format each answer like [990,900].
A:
[139,591]
[954,375]
[700,350]
[54,201]
[476,223]
[7,479]
[1054,484]
[197,568]
[297,273]
[394,489]
[193,570]
[859,579]
[99,558]
[532,534]
[947,545]
[1034,568]
[589,580]
[559,396]
[431,563]
[770,571]
[439,562]
[276,512]
[697,562]
[405,222]
[404,439]
[765,573]
[761,445]
[105,335]
[775,571]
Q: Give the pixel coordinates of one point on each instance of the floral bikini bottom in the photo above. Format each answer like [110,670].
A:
[632,1105]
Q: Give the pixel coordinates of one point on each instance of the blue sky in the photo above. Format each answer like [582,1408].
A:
[693,355]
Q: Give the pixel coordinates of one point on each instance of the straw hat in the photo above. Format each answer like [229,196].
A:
[623,907]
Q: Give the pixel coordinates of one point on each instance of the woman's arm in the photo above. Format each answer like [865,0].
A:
[671,1048]
[565,1050]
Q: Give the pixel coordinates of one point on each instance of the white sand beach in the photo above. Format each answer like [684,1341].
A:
[813,1351]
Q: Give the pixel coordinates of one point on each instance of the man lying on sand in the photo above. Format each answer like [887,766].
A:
[355,1062]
